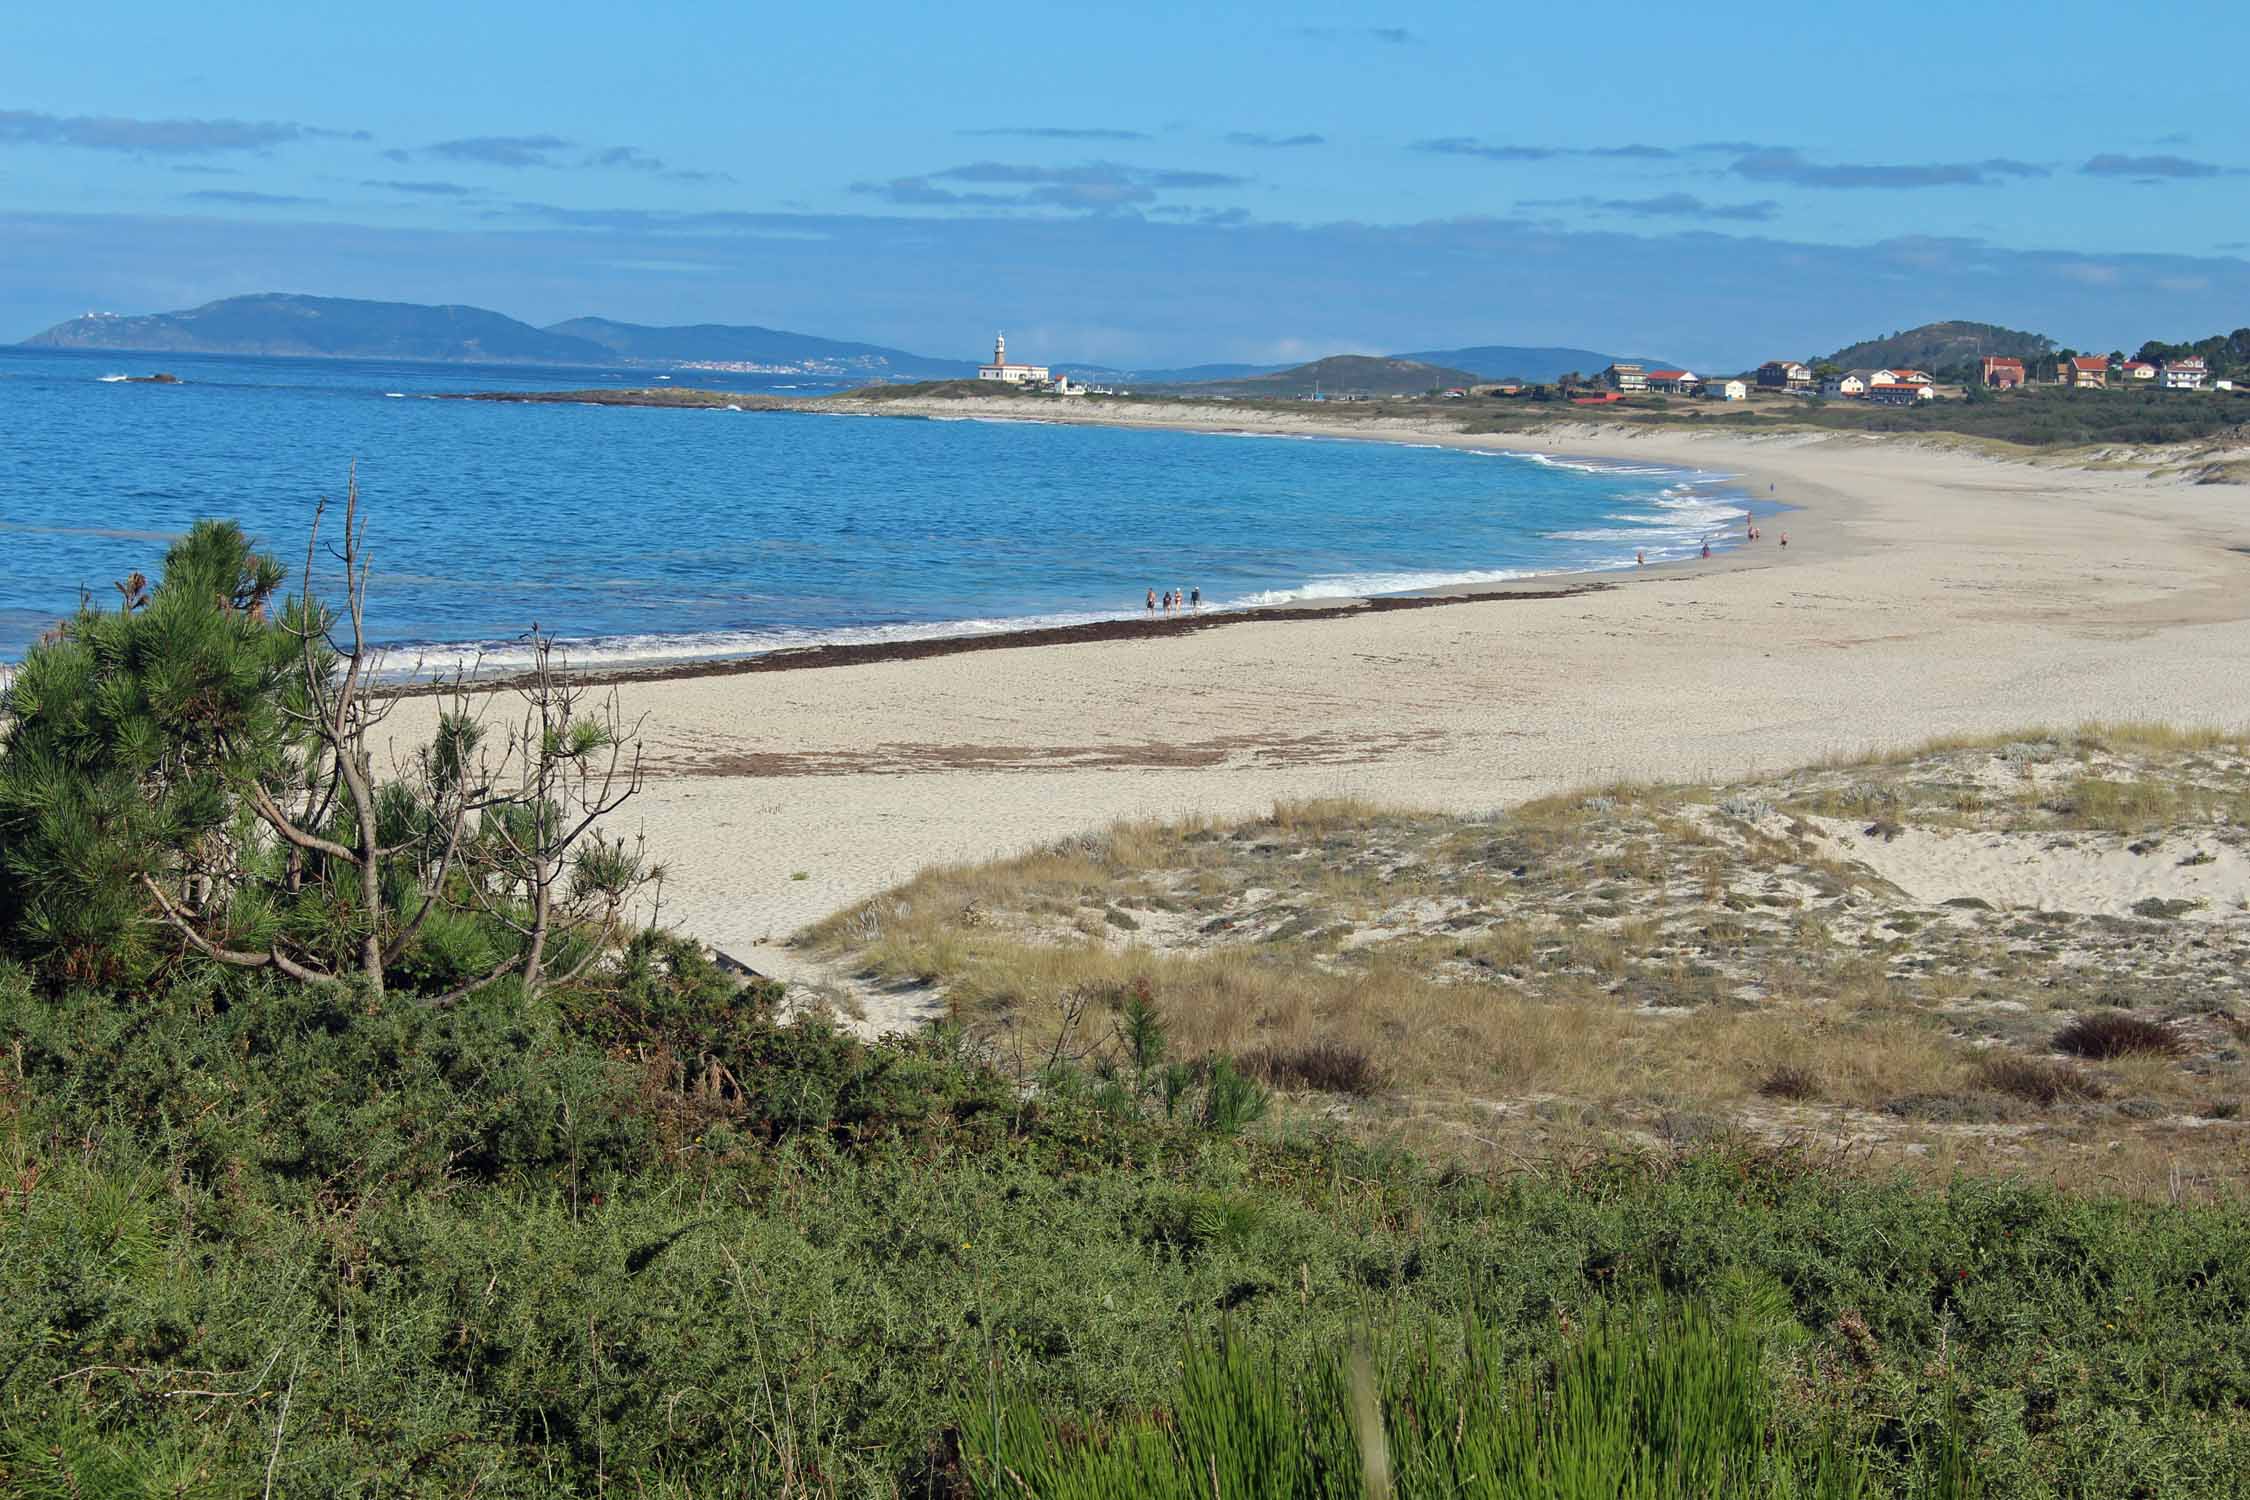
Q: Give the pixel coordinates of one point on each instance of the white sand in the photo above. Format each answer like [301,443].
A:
[1924,592]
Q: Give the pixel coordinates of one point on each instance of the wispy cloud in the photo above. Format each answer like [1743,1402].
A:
[2149,168]
[1666,206]
[23,127]
[1795,169]
[1463,145]
[423,189]
[1389,36]
[496,150]
[199,169]
[243,198]
[1059,133]
[1261,139]
[1093,186]
[550,152]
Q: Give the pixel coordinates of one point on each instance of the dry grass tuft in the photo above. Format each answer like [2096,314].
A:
[1790,1082]
[2037,1080]
[2105,1034]
[1329,1067]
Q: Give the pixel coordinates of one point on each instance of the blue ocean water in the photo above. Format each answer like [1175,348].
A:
[643,534]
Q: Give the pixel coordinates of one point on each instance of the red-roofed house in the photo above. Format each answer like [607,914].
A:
[1678,382]
[2002,373]
[1901,376]
[2136,370]
[2086,372]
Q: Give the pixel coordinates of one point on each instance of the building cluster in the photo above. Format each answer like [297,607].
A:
[2092,372]
[1633,380]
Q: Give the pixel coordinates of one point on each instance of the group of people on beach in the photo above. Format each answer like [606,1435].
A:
[1752,532]
[1175,601]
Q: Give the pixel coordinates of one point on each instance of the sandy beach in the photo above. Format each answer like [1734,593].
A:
[1923,592]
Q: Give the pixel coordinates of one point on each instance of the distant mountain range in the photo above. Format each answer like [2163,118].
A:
[720,343]
[284,323]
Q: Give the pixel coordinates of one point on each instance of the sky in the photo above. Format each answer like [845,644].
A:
[1147,183]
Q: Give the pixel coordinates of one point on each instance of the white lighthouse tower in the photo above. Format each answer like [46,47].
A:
[1000,369]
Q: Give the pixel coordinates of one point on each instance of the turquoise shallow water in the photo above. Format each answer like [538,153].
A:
[650,535]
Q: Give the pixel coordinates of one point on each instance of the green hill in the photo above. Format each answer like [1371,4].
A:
[331,328]
[1544,363]
[1343,375]
[1938,347]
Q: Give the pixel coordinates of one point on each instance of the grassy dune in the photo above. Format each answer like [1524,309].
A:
[1655,965]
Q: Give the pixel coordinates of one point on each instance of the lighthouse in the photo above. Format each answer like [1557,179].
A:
[1000,369]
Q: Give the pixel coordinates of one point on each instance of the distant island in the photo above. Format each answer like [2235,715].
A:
[287,324]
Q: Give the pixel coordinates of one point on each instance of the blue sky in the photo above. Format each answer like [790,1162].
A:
[1146,182]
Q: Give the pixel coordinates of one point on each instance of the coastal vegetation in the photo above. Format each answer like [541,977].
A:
[1192,1193]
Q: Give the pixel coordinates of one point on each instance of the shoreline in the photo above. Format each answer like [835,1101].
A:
[1561,583]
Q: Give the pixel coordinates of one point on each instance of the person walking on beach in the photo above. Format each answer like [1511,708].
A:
[1640,558]
[1195,598]
[1152,601]
[1706,546]
[1785,539]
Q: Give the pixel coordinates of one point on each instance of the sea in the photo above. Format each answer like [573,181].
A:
[647,535]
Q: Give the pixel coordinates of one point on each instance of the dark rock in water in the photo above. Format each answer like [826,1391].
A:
[159,378]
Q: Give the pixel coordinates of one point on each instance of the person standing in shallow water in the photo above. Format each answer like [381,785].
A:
[1195,598]
[1152,601]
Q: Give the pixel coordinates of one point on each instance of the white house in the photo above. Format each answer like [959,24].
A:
[1625,377]
[1900,376]
[1899,393]
[1730,390]
[1675,382]
[1850,383]
[1000,369]
[2137,370]
[2188,374]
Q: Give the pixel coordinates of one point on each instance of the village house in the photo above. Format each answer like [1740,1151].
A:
[1626,378]
[2186,374]
[1674,382]
[1899,393]
[1000,369]
[1785,375]
[1729,390]
[2002,373]
[1850,383]
[2086,372]
[2136,370]
[1900,376]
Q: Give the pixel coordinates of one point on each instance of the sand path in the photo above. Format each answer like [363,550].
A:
[1923,593]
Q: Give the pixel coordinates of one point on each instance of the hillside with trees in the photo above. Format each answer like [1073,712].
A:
[1946,350]
[1342,375]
